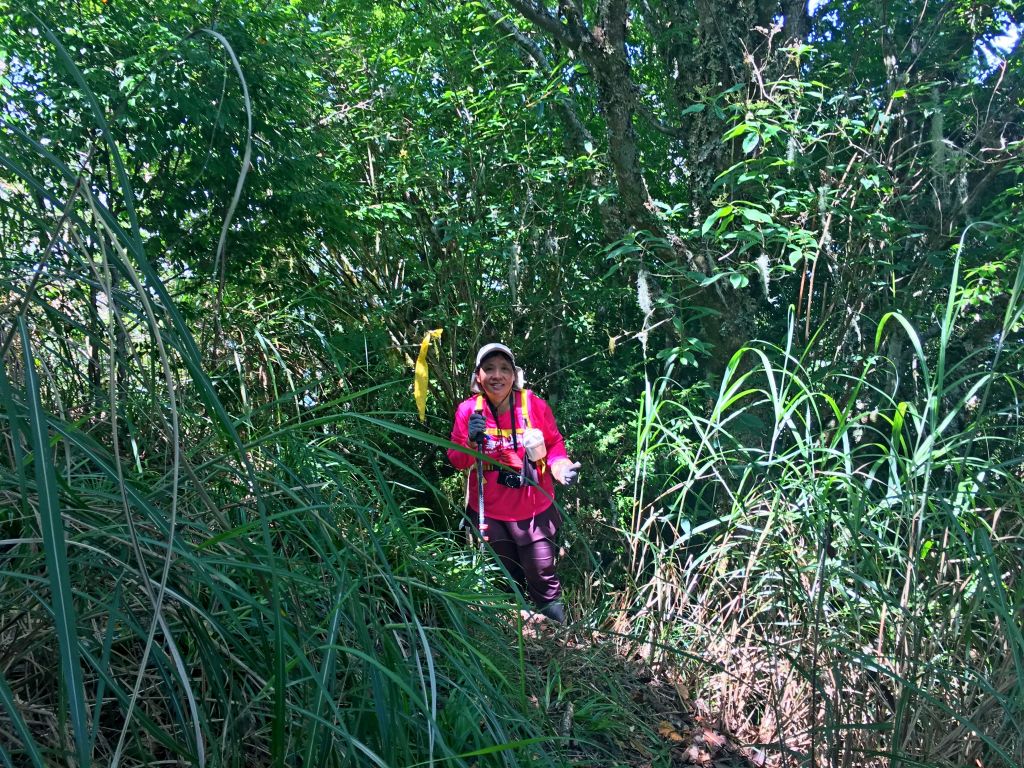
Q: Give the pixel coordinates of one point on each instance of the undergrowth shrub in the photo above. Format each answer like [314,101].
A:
[853,561]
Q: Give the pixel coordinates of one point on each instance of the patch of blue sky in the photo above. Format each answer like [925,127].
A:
[999,48]
[993,51]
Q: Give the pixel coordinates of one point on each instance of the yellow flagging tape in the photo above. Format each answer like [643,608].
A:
[421,382]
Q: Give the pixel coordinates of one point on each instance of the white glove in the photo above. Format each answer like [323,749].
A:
[565,471]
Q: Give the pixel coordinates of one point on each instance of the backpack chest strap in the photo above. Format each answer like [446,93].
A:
[525,394]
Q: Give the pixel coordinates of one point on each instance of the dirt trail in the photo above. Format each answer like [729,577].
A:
[616,709]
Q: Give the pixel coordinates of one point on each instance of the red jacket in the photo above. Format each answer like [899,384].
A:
[501,503]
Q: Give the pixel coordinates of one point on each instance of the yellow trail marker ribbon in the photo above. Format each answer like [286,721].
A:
[421,381]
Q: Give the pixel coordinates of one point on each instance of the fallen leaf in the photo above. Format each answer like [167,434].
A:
[667,731]
[683,692]
[713,739]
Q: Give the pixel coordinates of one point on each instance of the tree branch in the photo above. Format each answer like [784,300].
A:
[796,20]
[611,17]
[673,131]
[541,16]
[573,13]
[531,55]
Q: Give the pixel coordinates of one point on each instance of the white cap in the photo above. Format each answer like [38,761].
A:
[490,349]
[486,351]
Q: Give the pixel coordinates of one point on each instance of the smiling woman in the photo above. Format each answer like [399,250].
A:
[525,452]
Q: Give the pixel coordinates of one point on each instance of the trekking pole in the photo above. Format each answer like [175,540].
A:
[480,492]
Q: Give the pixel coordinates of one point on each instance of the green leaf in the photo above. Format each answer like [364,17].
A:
[736,130]
[723,212]
[926,548]
[739,281]
[752,214]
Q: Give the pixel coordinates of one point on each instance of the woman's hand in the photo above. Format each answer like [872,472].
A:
[565,471]
[477,427]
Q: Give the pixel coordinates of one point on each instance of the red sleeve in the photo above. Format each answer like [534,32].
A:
[544,420]
[460,436]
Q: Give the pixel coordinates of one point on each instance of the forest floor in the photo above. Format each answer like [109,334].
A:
[613,708]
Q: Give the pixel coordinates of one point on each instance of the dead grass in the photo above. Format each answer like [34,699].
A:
[655,718]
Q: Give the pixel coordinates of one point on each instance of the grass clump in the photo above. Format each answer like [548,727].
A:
[847,545]
[188,582]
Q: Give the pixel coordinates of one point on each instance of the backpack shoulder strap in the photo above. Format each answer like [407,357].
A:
[526,408]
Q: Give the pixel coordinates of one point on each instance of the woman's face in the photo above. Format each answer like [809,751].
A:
[496,377]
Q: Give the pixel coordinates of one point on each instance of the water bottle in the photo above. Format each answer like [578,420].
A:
[533,441]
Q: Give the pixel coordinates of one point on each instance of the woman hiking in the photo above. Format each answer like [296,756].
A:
[525,452]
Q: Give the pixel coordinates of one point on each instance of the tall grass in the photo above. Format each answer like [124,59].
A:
[179,585]
[194,571]
[848,544]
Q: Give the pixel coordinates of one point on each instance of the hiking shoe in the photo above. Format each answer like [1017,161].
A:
[554,611]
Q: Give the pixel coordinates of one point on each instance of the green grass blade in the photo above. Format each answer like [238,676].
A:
[324,687]
[17,431]
[20,727]
[65,619]
[108,641]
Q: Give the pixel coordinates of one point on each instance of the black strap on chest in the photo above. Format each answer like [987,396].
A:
[512,413]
